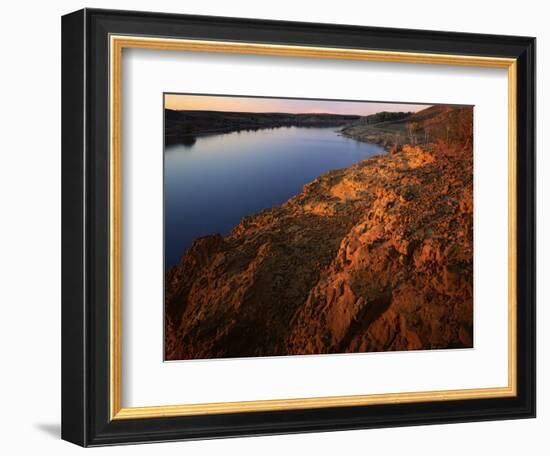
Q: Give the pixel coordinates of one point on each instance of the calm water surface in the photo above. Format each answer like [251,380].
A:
[211,184]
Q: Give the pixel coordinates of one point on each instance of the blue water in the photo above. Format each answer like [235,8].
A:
[211,184]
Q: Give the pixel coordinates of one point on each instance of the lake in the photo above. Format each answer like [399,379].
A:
[211,183]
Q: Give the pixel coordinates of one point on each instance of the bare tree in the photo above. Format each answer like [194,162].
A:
[397,140]
[413,128]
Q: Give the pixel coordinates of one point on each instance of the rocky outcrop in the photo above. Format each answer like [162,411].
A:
[374,257]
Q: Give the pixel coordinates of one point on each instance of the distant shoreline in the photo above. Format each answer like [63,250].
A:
[193,124]
[220,131]
[186,126]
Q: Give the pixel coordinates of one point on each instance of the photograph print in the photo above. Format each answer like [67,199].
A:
[309,227]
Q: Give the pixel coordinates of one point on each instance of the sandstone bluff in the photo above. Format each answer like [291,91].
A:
[374,257]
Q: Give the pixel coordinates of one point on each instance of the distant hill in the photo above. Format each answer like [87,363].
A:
[436,123]
[180,124]
[383,117]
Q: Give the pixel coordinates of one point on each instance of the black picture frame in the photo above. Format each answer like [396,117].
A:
[85,224]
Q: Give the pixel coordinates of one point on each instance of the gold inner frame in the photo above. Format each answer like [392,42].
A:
[117,44]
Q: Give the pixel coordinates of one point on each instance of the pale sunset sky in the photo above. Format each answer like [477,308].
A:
[253,104]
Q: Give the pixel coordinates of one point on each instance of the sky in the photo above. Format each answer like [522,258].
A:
[253,104]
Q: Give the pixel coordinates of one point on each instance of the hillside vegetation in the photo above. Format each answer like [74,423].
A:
[182,124]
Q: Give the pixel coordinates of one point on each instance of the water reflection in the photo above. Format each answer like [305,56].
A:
[186,141]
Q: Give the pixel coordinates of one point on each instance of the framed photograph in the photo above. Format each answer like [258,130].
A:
[278,227]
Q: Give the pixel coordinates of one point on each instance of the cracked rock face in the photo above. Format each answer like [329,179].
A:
[374,257]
